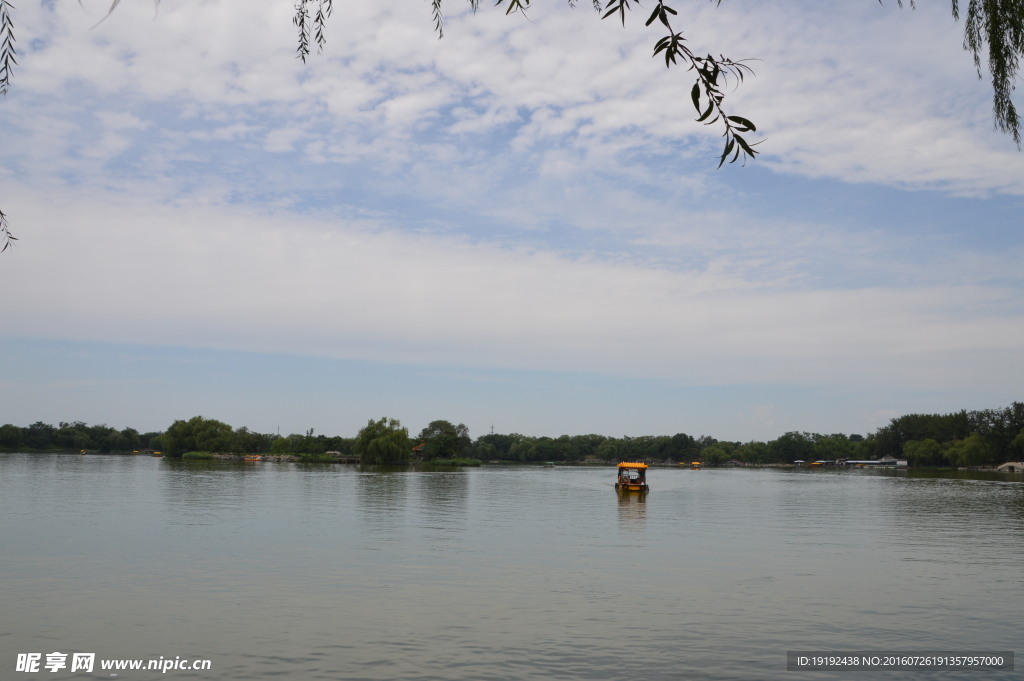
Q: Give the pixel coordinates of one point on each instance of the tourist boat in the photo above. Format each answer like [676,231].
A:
[632,477]
[695,465]
[253,457]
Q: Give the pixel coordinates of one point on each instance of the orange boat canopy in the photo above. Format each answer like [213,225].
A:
[632,465]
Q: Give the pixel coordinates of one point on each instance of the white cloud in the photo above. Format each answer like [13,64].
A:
[762,415]
[456,163]
[858,92]
[120,120]
[283,139]
[242,279]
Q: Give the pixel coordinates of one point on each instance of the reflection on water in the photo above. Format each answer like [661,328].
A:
[327,571]
[444,493]
[632,510]
[443,496]
[382,492]
[950,474]
[197,490]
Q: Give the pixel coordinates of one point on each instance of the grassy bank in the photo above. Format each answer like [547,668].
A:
[455,462]
[317,458]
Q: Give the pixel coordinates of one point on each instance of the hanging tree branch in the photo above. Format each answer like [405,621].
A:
[324,10]
[997,24]
[5,233]
[7,63]
[1000,24]
[709,72]
[7,52]
[301,20]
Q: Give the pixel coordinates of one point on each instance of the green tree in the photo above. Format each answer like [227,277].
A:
[10,435]
[715,455]
[131,439]
[607,451]
[151,440]
[792,446]
[245,441]
[524,450]
[485,451]
[999,427]
[198,434]
[753,452]
[971,451]
[81,440]
[38,435]
[1016,446]
[587,445]
[444,440]
[939,427]
[113,442]
[343,445]
[865,448]
[682,447]
[832,447]
[383,441]
[923,452]
[502,443]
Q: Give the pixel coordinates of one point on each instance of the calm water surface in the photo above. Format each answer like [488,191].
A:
[332,572]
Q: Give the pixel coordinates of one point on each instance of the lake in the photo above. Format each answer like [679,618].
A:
[504,572]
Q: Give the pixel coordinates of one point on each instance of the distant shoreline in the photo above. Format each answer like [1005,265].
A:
[353,461]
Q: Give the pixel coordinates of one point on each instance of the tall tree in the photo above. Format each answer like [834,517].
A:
[792,446]
[383,441]
[444,440]
[198,434]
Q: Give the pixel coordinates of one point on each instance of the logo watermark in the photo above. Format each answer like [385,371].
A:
[861,661]
[33,663]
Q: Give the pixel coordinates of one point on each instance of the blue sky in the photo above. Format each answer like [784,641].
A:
[520,224]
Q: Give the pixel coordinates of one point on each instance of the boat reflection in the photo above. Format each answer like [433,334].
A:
[632,510]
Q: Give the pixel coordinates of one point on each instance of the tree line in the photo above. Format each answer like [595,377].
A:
[964,438]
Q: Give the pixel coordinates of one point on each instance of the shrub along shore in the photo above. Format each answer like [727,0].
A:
[966,438]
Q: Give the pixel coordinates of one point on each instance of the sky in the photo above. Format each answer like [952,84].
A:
[519,226]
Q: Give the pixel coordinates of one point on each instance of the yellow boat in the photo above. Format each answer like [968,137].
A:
[632,477]
[695,465]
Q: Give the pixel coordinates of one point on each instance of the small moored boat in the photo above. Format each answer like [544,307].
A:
[253,457]
[632,477]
